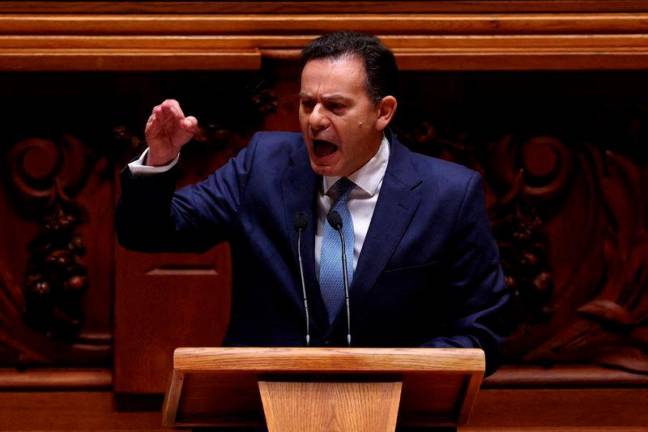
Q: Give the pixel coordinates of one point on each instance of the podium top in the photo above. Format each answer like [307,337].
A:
[339,360]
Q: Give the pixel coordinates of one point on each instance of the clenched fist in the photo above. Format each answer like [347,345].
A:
[167,130]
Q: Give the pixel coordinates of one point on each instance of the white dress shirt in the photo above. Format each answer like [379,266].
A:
[138,166]
[361,203]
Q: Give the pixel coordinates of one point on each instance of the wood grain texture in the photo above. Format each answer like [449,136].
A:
[245,52]
[314,24]
[264,7]
[172,398]
[241,43]
[567,408]
[565,376]
[125,60]
[70,411]
[443,35]
[55,379]
[468,400]
[383,360]
[330,406]
[59,411]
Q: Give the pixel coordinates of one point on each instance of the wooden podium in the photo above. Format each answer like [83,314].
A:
[322,389]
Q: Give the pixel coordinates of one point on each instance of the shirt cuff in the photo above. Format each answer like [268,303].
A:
[138,167]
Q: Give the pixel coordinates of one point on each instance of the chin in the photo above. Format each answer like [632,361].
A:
[324,170]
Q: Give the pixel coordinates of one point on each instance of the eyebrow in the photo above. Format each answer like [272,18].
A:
[328,98]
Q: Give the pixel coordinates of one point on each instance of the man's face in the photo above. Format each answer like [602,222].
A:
[337,117]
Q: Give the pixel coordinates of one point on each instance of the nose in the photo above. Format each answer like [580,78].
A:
[318,120]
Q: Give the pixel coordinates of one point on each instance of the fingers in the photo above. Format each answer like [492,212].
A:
[170,109]
[168,126]
[152,125]
[173,106]
[169,112]
[190,124]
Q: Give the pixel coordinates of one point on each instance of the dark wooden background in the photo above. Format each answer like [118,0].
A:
[548,100]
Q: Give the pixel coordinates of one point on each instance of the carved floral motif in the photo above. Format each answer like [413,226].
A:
[56,276]
[581,301]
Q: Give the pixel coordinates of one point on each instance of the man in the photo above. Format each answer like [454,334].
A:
[423,267]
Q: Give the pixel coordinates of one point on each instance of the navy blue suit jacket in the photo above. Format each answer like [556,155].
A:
[428,274]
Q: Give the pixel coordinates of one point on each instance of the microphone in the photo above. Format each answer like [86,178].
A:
[301,222]
[335,220]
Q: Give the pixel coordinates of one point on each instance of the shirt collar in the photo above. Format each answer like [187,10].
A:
[369,176]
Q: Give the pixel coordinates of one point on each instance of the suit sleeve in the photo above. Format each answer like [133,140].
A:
[476,283]
[152,217]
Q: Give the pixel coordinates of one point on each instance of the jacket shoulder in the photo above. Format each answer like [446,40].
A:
[442,173]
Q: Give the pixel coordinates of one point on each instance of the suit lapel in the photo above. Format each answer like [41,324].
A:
[396,205]
[300,188]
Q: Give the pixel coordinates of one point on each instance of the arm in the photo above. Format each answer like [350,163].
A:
[476,283]
[152,216]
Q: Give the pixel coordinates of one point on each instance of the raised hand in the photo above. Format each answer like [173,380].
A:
[167,130]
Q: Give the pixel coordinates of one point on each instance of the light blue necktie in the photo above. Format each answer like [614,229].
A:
[331,278]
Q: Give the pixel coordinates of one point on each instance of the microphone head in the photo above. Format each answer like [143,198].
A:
[301,221]
[335,220]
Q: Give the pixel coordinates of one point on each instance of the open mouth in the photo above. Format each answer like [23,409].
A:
[324,148]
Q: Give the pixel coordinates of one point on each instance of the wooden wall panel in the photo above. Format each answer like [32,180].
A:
[162,302]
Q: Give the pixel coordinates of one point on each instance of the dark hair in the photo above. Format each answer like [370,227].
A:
[380,64]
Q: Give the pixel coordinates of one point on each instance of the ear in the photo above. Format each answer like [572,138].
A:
[386,110]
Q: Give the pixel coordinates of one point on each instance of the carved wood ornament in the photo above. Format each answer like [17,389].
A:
[44,183]
[581,302]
